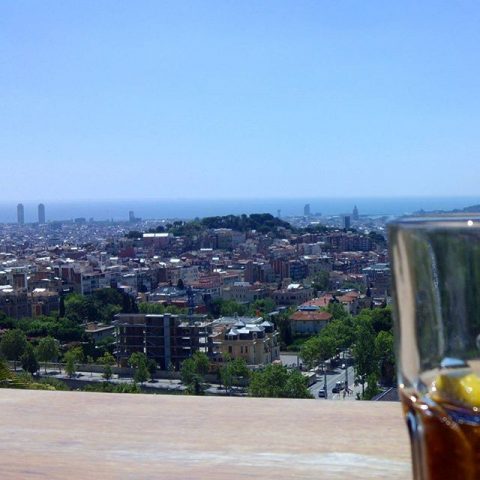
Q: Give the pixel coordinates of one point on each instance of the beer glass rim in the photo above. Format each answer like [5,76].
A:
[434,221]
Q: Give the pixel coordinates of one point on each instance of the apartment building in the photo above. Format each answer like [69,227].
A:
[243,292]
[294,294]
[309,321]
[253,339]
[167,339]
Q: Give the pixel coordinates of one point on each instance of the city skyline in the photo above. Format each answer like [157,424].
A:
[104,101]
[134,210]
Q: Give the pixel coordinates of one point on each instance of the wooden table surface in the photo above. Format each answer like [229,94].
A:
[74,435]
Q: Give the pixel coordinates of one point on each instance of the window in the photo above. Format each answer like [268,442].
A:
[230,349]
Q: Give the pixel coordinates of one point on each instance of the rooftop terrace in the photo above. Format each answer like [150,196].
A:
[74,435]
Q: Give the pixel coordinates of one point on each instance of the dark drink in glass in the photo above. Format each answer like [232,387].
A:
[436,280]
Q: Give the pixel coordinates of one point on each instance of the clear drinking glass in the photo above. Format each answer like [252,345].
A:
[436,285]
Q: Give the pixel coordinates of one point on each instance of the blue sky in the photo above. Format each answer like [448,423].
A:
[200,99]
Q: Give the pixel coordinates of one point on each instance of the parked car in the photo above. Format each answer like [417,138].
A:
[321,393]
[338,387]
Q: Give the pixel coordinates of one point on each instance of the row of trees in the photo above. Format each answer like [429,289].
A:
[370,338]
[15,346]
[278,382]
[101,306]
[228,308]
[74,310]
[272,381]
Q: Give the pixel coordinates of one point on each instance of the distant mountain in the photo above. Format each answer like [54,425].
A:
[471,209]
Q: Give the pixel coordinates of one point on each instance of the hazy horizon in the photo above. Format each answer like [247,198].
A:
[188,208]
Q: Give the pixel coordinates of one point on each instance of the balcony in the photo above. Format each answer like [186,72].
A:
[74,435]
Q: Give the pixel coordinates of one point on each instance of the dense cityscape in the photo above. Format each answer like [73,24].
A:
[245,305]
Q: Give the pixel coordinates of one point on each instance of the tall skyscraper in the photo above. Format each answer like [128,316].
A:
[41,213]
[20,214]
[355,213]
[346,222]
[306,210]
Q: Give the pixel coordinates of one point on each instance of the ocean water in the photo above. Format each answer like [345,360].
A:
[191,208]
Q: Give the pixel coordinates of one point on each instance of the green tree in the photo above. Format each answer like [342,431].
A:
[337,310]
[129,305]
[187,371]
[381,319]
[202,363]
[160,309]
[372,387]
[342,331]
[47,350]
[29,360]
[152,367]
[282,322]
[232,372]
[101,306]
[193,371]
[72,358]
[107,372]
[105,345]
[78,308]
[364,351]
[6,322]
[136,358]
[317,350]
[138,361]
[190,377]
[385,355]
[296,386]
[277,382]
[13,345]
[321,281]
[228,308]
[70,367]
[141,374]
[262,307]
[107,361]
[107,296]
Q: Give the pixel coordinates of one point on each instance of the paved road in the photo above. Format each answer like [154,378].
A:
[334,376]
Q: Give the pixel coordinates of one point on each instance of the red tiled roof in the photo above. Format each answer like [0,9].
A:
[348,297]
[312,316]
[318,302]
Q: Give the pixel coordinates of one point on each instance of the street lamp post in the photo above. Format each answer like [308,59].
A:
[325,389]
